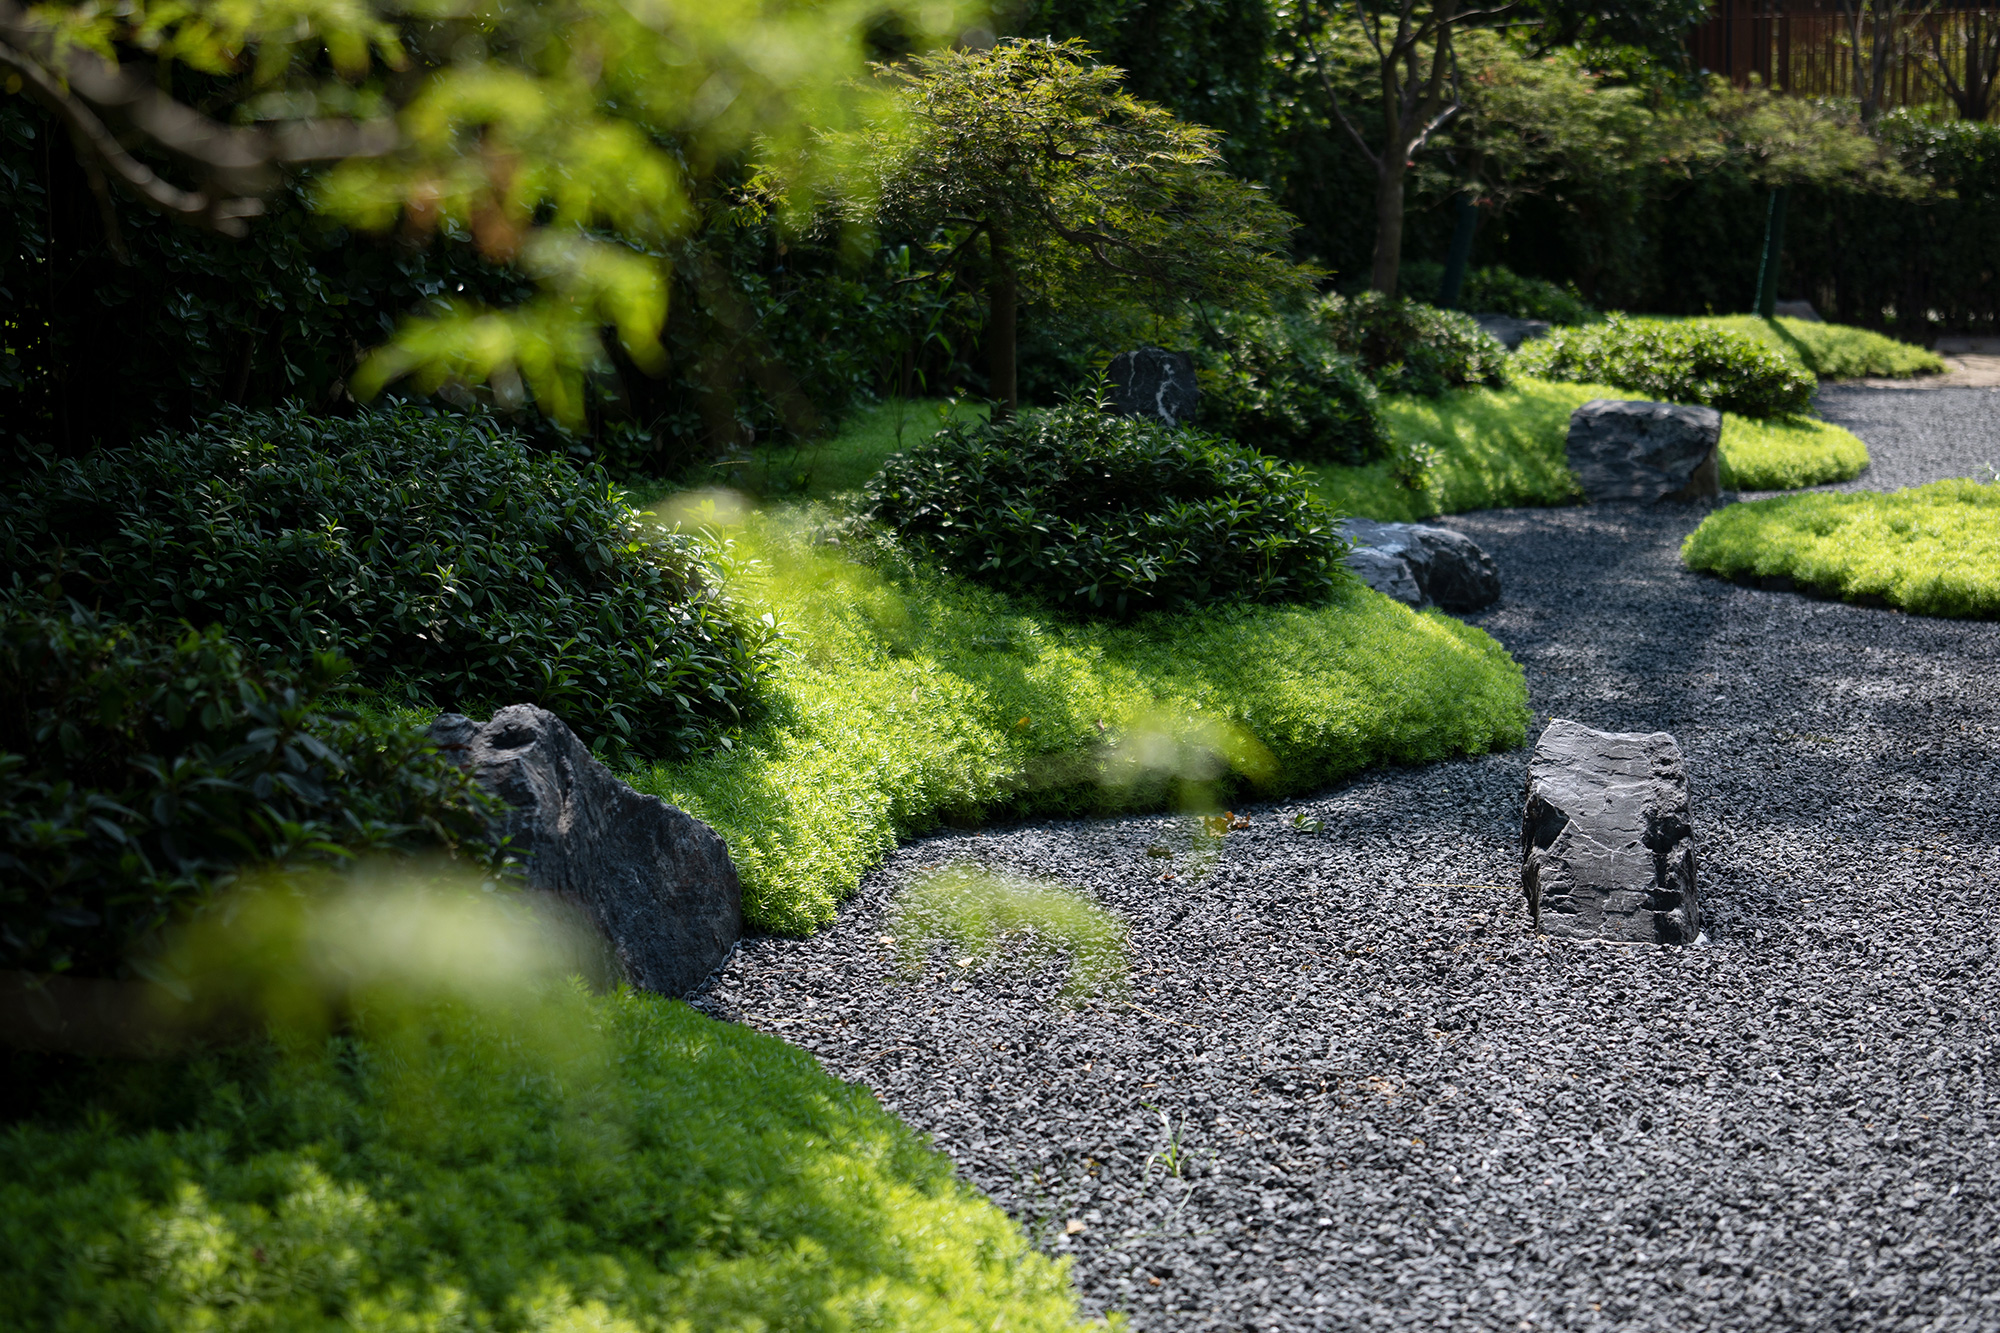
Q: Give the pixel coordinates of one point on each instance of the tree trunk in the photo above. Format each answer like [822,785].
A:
[1389,217]
[1002,293]
[1463,225]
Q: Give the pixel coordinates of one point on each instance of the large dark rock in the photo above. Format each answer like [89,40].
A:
[1423,565]
[1509,331]
[1607,841]
[657,882]
[1645,451]
[1152,382]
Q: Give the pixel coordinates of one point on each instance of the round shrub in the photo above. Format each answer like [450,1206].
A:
[1111,515]
[1674,362]
[1277,384]
[140,765]
[1409,347]
[451,564]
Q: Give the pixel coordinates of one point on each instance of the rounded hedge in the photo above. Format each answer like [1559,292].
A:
[451,564]
[1409,347]
[1278,385]
[1674,362]
[1108,515]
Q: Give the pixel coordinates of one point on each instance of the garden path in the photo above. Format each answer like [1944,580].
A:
[1394,1106]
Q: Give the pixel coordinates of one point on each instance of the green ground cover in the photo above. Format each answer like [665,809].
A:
[1501,447]
[612,1165]
[909,697]
[1835,351]
[1931,549]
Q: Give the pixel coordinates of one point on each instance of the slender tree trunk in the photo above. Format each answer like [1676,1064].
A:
[1002,294]
[1464,222]
[1389,217]
[1774,248]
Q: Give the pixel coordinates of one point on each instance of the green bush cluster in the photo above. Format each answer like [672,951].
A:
[1410,347]
[452,565]
[1109,515]
[139,766]
[1675,362]
[613,1164]
[1275,383]
[1499,290]
[1931,549]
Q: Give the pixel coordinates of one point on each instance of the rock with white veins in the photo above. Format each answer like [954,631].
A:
[1606,840]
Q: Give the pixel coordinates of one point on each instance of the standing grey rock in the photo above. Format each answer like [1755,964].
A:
[1797,310]
[657,882]
[1421,565]
[1153,382]
[1607,842]
[1511,332]
[1645,451]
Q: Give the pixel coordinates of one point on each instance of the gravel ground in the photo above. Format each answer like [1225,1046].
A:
[1348,1087]
[1917,435]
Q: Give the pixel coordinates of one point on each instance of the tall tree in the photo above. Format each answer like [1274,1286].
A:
[1028,162]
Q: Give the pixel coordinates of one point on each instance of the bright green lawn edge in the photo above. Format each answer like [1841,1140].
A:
[1496,448]
[910,697]
[610,1164]
[1933,549]
[1834,351]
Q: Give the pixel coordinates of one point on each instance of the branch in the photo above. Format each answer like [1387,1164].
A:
[233,165]
[1319,68]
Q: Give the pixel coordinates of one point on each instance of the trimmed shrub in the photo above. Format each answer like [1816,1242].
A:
[450,563]
[1676,362]
[1501,291]
[1409,347]
[1110,515]
[1276,384]
[139,767]
[1834,351]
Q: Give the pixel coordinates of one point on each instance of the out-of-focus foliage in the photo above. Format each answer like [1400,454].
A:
[1409,347]
[450,563]
[1499,290]
[140,765]
[1110,516]
[1675,362]
[579,143]
[982,917]
[1275,383]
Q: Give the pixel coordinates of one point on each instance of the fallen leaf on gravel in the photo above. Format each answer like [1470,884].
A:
[1075,1227]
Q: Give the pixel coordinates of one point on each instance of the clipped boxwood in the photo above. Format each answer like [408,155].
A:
[1275,383]
[1410,347]
[1110,515]
[1674,362]
[451,564]
[140,765]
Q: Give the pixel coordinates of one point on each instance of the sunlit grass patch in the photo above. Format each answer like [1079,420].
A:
[1786,453]
[983,917]
[1931,549]
[501,1152]
[909,697]
[1835,351]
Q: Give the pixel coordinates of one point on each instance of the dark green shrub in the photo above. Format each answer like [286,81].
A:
[1501,291]
[1110,515]
[452,565]
[140,766]
[1275,383]
[1409,347]
[1675,363]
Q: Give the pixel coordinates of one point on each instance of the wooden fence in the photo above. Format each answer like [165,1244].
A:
[1807,47]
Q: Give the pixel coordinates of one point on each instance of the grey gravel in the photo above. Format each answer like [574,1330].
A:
[1916,435]
[1401,1108]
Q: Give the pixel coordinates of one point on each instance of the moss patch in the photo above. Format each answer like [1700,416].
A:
[911,696]
[1932,549]
[1835,351]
